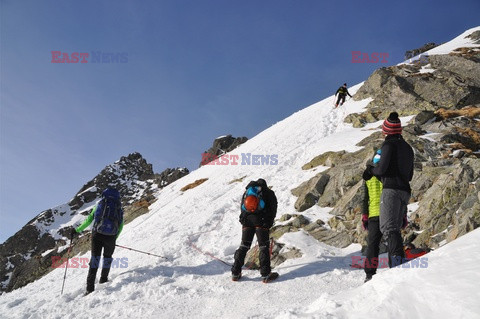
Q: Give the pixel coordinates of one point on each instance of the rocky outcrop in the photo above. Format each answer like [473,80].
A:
[221,145]
[446,182]
[329,186]
[26,256]
[411,53]
[447,81]
[170,175]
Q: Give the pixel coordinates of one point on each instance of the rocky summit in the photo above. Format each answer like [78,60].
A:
[27,255]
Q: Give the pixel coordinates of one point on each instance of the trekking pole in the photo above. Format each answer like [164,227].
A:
[139,251]
[66,266]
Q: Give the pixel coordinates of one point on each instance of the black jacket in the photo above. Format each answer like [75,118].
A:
[266,217]
[395,168]
[342,91]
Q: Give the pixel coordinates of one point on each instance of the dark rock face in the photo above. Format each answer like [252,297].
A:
[132,168]
[26,256]
[170,175]
[411,53]
[221,145]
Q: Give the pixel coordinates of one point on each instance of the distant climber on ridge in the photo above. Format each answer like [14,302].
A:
[342,94]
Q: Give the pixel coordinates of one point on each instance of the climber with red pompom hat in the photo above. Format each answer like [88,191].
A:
[395,170]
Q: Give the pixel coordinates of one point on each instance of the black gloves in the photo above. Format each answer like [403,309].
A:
[367,174]
[267,225]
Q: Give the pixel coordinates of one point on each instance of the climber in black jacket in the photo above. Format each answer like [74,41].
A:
[342,94]
[257,223]
[395,170]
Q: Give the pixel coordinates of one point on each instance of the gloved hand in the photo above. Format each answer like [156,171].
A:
[405,221]
[367,174]
[267,225]
[365,221]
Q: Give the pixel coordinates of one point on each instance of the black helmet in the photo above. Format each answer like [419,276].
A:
[262,182]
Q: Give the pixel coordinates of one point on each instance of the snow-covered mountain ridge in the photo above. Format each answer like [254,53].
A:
[26,255]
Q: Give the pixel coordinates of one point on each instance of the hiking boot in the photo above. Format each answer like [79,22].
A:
[102,280]
[270,277]
[87,292]
[236,277]
[368,278]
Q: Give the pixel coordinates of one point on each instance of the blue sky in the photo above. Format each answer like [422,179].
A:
[196,70]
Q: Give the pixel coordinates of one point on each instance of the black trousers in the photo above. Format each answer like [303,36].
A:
[396,255]
[341,98]
[264,251]
[99,242]
[373,246]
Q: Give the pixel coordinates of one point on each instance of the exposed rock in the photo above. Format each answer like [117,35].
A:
[300,221]
[326,159]
[313,226]
[27,252]
[280,253]
[411,53]
[424,116]
[453,84]
[194,184]
[450,200]
[296,222]
[278,231]
[330,237]
[285,217]
[221,145]
[310,191]
[326,191]
[475,36]
[445,186]
[170,175]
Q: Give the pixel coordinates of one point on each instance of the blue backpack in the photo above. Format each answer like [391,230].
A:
[109,214]
[252,201]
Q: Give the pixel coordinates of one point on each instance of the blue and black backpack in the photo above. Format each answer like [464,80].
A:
[109,213]
[252,201]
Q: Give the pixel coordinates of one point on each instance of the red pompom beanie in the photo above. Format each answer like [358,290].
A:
[392,125]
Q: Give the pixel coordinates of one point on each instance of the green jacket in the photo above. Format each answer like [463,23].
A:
[371,201]
[90,219]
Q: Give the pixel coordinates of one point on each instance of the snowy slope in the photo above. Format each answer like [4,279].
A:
[459,42]
[446,288]
[192,284]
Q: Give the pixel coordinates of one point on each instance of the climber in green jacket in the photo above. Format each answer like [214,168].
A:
[90,219]
[371,219]
[107,218]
